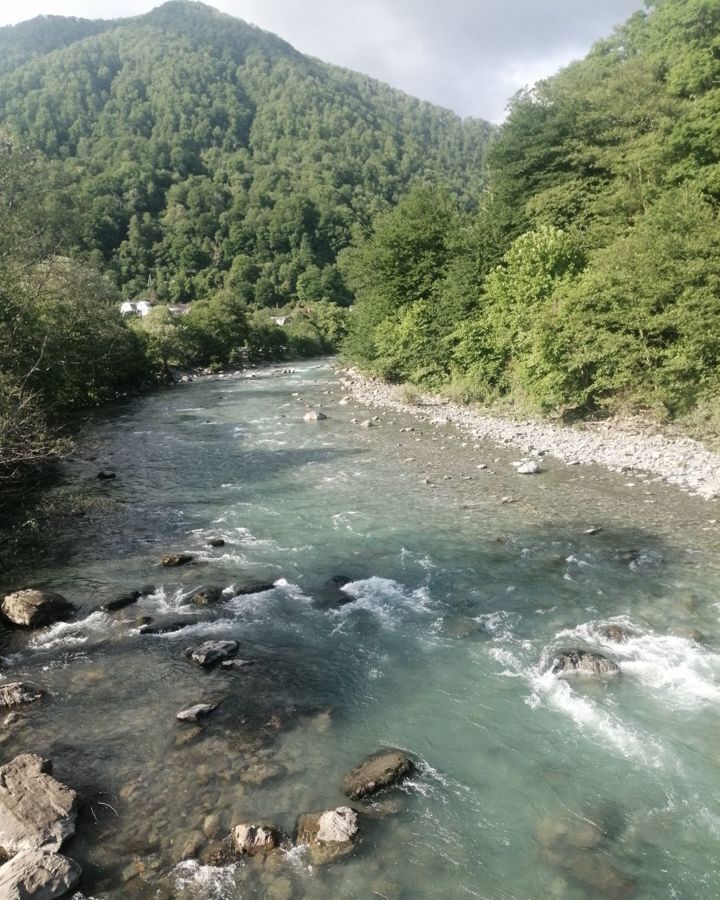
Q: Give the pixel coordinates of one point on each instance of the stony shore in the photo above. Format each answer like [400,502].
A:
[676,460]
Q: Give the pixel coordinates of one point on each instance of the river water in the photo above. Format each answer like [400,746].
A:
[528,785]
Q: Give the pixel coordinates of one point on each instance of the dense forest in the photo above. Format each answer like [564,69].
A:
[589,281]
[185,156]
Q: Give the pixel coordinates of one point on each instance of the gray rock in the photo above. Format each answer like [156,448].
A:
[202,596]
[36,811]
[32,608]
[166,627]
[179,559]
[617,633]
[379,771]
[529,468]
[314,416]
[583,662]
[368,423]
[18,692]
[328,835]
[38,875]
[212,652]
[197,712]
[255,587]
[253,839]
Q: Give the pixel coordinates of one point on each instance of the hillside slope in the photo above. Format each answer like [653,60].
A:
[590,280]
[201,152]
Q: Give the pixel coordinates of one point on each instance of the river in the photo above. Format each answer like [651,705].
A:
[463,583]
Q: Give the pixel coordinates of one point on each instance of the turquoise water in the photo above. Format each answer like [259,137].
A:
[458,602]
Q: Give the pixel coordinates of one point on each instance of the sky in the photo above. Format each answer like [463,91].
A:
[468,55]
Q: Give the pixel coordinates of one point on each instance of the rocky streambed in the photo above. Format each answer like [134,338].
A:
[625,448]
[304,647]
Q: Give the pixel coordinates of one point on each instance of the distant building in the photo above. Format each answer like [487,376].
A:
[135,308]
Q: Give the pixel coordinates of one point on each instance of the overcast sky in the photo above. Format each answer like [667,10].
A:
[469,55]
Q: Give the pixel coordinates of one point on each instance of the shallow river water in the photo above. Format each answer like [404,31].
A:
[528,785]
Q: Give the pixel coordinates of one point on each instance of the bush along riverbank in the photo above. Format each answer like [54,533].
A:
[619,446]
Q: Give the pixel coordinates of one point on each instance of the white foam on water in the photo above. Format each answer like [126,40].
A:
[556,693]
[388,600]
[677,671]
[96,627]
[206,882]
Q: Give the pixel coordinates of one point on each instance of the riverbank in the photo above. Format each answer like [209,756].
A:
[681,461]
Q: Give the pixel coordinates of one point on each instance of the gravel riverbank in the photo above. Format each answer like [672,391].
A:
[676,460]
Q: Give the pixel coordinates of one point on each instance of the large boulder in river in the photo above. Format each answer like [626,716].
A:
[32,608]
[36,811]
[205,595]
[38,875]
[253,839]
[212,652]
[328,835]
[378,771]
[314,416]
[17,693]
[583,662]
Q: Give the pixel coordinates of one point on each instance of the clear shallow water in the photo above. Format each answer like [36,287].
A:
[458,603]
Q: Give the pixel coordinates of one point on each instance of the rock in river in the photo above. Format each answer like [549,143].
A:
[617,633]
[379,771]
[38,875]
[165,627]
[17,693]
[179,559]
[212,652]
[32,608]
[583,662]
[252,839]
[328,835]
[36,811]
[204,595]
[528,468]
[314,416]
[197,712]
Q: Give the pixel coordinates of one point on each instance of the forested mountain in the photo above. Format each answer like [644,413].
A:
[590,279]
[203,153]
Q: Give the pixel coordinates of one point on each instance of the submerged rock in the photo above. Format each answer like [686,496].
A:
[197,712]
[256,587]
[18,692]
[328,835]
[202,596]
[576,847]
[583,662]
[617,633]
[36,811]
[314,416]
[106,476]
[38,875]
[252,839]
[32,608]
[166,627]
[122,601]
[212,652]
[180,559]
[216,542]
[379,771]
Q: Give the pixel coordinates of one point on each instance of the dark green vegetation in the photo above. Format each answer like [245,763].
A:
[590,279]
[185,156]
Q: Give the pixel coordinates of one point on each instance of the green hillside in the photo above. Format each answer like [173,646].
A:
[202,152]
[590,279]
